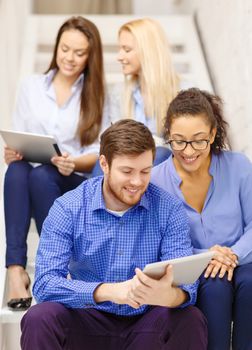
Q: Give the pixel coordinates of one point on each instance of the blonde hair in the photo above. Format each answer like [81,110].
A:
[158,76]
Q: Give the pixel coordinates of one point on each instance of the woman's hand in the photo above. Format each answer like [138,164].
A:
[224,261]
[64,163]
[225,255]
[215,268]
[10,155]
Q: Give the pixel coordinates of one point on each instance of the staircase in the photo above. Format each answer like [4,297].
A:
[181,31]
[40,33]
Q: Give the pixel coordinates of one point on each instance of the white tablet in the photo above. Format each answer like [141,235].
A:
[186,270]
[34,147]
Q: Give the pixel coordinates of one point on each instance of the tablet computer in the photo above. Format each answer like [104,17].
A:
[186,270]
[34,147]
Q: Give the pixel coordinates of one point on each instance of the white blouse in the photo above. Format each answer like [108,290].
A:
[37,112]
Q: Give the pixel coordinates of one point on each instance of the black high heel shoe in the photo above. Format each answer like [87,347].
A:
[20,304]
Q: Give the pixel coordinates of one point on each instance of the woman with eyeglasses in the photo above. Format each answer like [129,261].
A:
[215,186]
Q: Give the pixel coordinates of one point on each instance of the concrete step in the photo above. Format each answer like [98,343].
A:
[7,315]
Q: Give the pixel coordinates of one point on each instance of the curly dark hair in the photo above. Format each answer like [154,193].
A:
[193,102]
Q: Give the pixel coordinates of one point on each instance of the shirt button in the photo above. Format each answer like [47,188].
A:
[120,252]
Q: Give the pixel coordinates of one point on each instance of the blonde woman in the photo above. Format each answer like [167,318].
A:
[150,79]
[150,83]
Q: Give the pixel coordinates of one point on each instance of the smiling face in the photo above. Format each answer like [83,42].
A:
[72,53]
[126,180]
[127,55]
[191,128]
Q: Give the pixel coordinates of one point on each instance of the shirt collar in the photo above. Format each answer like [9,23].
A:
[98,200]
[50,75]
[213,164]
[99,203]
[172,170]
[137,95]
[144,202]
[79,81]
[175,175]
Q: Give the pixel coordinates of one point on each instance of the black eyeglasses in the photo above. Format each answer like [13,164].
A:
[180,145]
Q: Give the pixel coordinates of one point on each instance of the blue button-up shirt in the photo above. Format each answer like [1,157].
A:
[226,218]
[81,238]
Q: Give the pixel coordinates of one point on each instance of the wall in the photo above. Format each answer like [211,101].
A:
[13,15]
[80,6]
[12,23]
[226,30]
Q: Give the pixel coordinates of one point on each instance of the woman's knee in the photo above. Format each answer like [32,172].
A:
[18,172]
[243,277]
[246,286]
[215,300]
[215,288]
[42,176]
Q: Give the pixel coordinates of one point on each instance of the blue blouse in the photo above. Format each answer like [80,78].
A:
[226,218]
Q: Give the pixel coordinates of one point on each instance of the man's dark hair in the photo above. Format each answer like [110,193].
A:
[126,137]
[194,102]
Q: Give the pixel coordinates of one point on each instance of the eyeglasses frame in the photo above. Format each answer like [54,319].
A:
[189,143]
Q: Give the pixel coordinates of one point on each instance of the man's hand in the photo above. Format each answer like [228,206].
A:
[10,155]
[118,293]
[146,290]
[142,290]
[64,163]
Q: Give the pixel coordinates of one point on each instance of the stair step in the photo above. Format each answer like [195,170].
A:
[8,316]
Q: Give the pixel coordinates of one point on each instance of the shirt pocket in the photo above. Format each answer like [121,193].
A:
[95,240]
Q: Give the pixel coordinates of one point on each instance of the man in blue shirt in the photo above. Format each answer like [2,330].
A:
[95,242]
